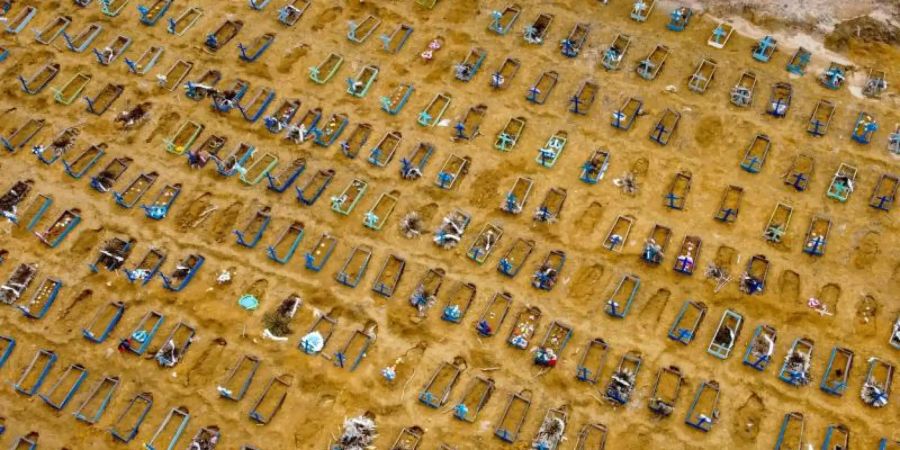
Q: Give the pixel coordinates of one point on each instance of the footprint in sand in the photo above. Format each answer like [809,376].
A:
[224,223]
[485,189]
[725,257]
[427,212]
[203,371]
[709,130]
[326,401]
[292,56]
[13,71]
[654,307]
[326,17]
[188,217]
[436,73]
[86,241]
[641,167]
[748,418]
[258,289]
[588,220]
[166,124]
[83,297]
[584,281]
[866,251]
[789,285]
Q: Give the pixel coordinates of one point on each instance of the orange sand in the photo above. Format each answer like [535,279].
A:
[861,260]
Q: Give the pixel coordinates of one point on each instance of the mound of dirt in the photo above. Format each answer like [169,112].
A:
[865,29]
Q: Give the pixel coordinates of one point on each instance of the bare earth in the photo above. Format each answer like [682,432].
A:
[859,276]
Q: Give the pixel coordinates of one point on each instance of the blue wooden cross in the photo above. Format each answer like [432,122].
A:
[816,124]
[613,241]
[371,219]
[504,140]
[645,67]
[719,34]
[495,21]
[212,41]
[542,278]
[584,374]
[610,56]
[533,93]
[816,244]
[340,358]
[760,363]
[726,214]
[894,142]
[833,77]
[764,45]
[444,179]
[589,172]
[406,166]
[672,199]
[496,80]
[386,103]
[506,266]
[460,130]
[639,7]
[612,308]
[284,14]
[618,116]
[865,136]
[650,253]
[752,163]
[425,118]
[796,377]
[307,347]
[375,156]
[90,103]
[544,213]
[776,108]
[684,335]
[882,200]
[512,204]
[243,49]
[575,103]
[385,41]
[568,48]
[660,130]
[798,182]
[545,154]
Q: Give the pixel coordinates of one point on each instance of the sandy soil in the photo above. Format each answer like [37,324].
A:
[859,275]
